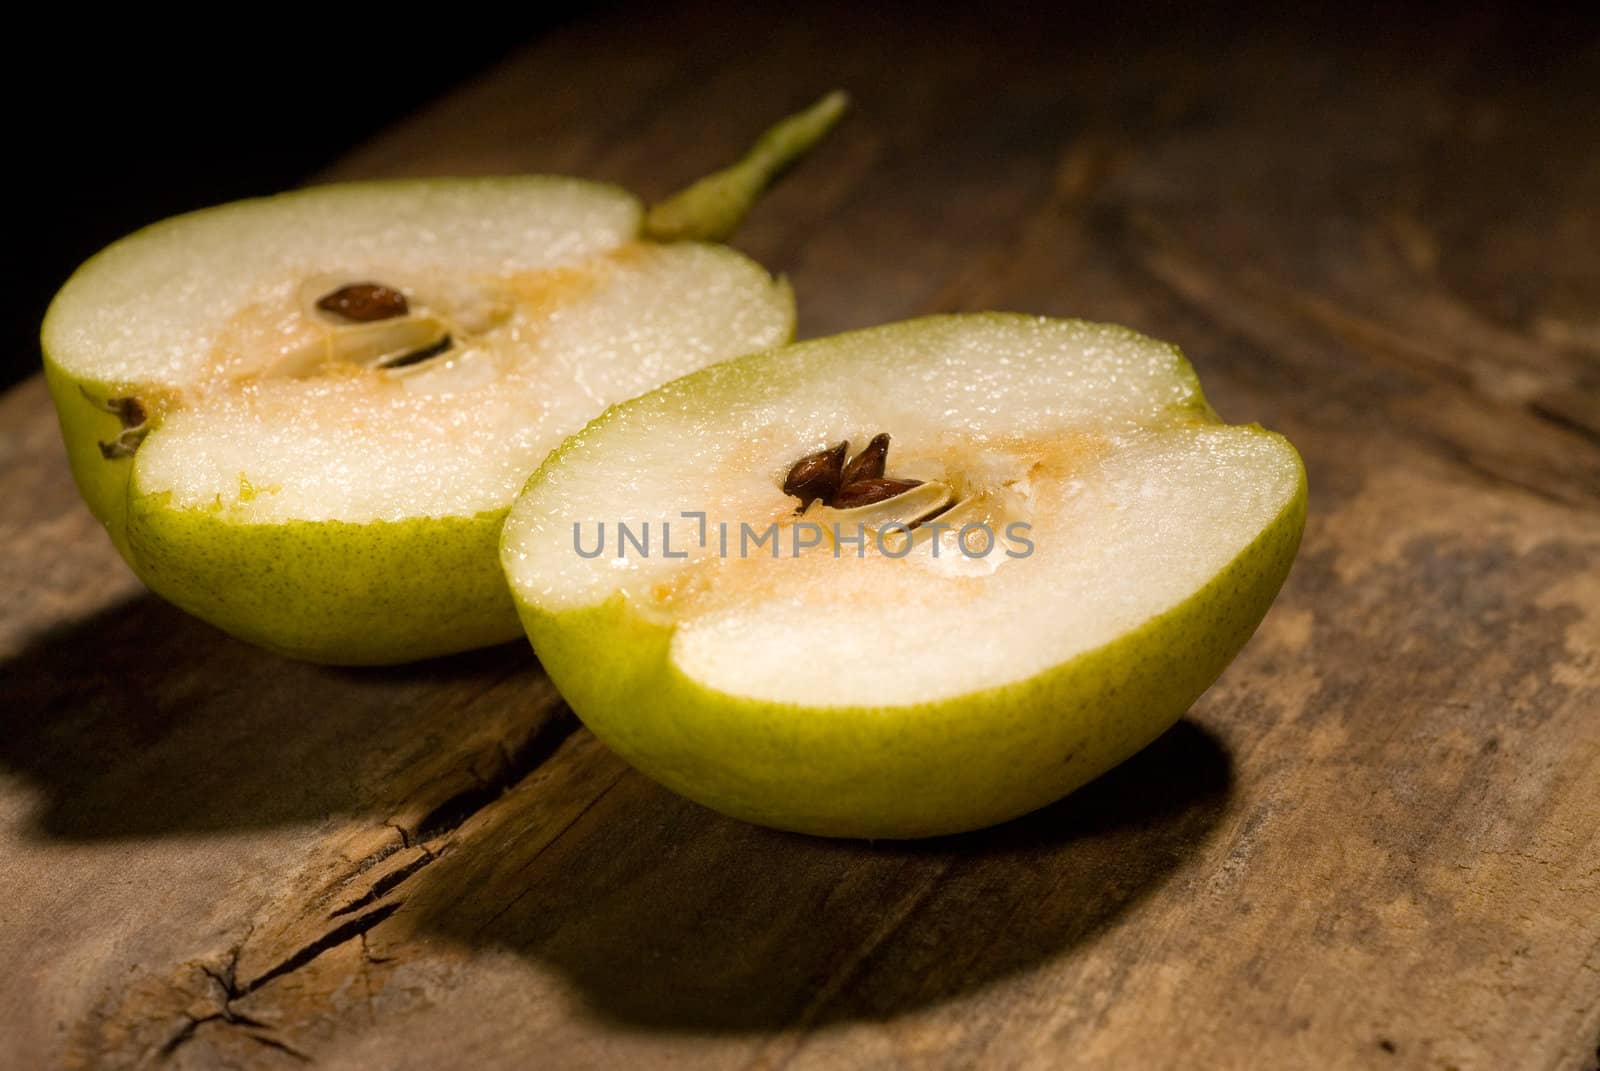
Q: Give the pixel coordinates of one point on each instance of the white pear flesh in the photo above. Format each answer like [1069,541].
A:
[879,696]
[292,488]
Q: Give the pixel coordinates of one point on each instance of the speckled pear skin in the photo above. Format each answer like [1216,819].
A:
[896,772]
[102,482]
[338,593]
[376,593]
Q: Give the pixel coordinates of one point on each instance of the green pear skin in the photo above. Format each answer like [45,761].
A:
[905,772]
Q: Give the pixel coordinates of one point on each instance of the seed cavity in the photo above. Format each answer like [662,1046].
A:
[130,412]
[826,475]
[124,445]
[364,303]
[426,353]
[936,514]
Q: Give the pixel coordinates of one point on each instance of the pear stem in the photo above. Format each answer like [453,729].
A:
[712,208]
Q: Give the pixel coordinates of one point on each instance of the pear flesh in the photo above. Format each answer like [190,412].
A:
[873,687]
[330,483]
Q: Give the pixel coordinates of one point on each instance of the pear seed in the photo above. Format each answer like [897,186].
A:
[870,492]
[129,411]
[816,475]
[364,303]
[869,463]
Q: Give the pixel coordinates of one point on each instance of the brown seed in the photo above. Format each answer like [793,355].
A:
[868,492]
[869,463]
[364,303]
[816,475]
[130,412]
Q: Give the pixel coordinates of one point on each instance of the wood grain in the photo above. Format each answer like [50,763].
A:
[1375,843]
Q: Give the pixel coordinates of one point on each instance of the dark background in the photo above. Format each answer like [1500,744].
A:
[118,126]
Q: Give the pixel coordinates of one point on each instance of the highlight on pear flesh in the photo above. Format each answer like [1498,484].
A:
[905,581]
[303,417]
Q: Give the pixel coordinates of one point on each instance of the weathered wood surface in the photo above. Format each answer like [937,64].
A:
[1373,844]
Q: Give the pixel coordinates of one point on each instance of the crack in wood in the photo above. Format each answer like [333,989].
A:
[1170,265]
[335,937]
[801,1030]
[281,1046]
[1464,457]
[546,846]
[229,990]
[226,1016]
[250,1028]
[385,884]
[454,812]
[1568,421]
[183,1035]
[361,866]
[226,979]
[514,766]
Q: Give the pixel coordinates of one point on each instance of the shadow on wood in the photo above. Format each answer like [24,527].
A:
[144,721]
[667,917]
[660,914]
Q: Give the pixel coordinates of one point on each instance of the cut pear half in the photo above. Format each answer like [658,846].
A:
[303,417]
[1080,548]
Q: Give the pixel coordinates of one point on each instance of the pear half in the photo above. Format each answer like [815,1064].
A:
[303,417]
[1061,550]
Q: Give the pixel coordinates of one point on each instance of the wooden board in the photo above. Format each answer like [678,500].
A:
[1374,843]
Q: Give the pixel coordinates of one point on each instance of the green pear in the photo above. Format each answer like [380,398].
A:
[905,581]
[303,418]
